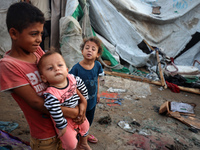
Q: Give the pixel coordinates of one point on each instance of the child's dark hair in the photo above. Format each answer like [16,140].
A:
[39,65]
[21,14]
[95,40]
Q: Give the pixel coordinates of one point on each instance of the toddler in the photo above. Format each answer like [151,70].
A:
[61,91]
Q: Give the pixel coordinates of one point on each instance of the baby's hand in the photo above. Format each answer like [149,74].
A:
[61,132]
[80,119]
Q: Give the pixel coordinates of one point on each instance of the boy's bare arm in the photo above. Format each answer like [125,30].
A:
[82,109]
[28,94]
[70,112]
[82,101]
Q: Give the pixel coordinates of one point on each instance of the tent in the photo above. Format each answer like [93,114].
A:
[123,25]
[5,41]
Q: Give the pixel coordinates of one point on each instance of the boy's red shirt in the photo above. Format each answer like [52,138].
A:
[15,73]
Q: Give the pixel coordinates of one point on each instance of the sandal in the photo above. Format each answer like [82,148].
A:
[92,139]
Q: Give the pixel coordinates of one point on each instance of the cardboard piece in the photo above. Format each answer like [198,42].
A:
[110,98]
[182,107]
[186,118]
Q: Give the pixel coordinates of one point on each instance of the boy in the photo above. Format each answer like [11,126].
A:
[19,75]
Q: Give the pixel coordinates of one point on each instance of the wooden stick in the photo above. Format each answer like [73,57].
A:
[162,79]
[163,83]
[142,79]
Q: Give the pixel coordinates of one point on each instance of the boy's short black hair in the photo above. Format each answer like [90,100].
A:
[21,14]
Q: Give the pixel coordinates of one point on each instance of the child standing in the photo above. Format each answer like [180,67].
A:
[61,91]
[89,70]
[19,75]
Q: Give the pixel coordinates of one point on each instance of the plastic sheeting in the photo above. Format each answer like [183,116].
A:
[81,14]
[189,56]
[10,142]
[5,40]
[108,22]
[70,39]
[124,23]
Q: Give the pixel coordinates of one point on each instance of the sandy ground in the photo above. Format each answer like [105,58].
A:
[139,109]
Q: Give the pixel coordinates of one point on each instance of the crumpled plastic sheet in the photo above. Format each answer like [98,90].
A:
[8,126]
[7,141]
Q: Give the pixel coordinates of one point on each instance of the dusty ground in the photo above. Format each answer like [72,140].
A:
[141,103]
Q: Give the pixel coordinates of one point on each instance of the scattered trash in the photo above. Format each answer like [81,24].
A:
[156,10]
[185,71]
[11,142]
[156,108]
[8,126]
[114,102]
[193,130]
[176,147]
[181,113]
[196,142]
[182,107]
[152,76]
[180,145]
[173,87]
[155,129]
[161,88]
[109,95]
[118,99]
[140,88]
[105,120]
[126,127]
[144,132]
[112,90]
[112,99]
[142,96]
[137,98]
[135,123]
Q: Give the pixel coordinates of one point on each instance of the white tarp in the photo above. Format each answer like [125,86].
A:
[114,27]
[125,23]
[5,40]
[70,39]
[189,56]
